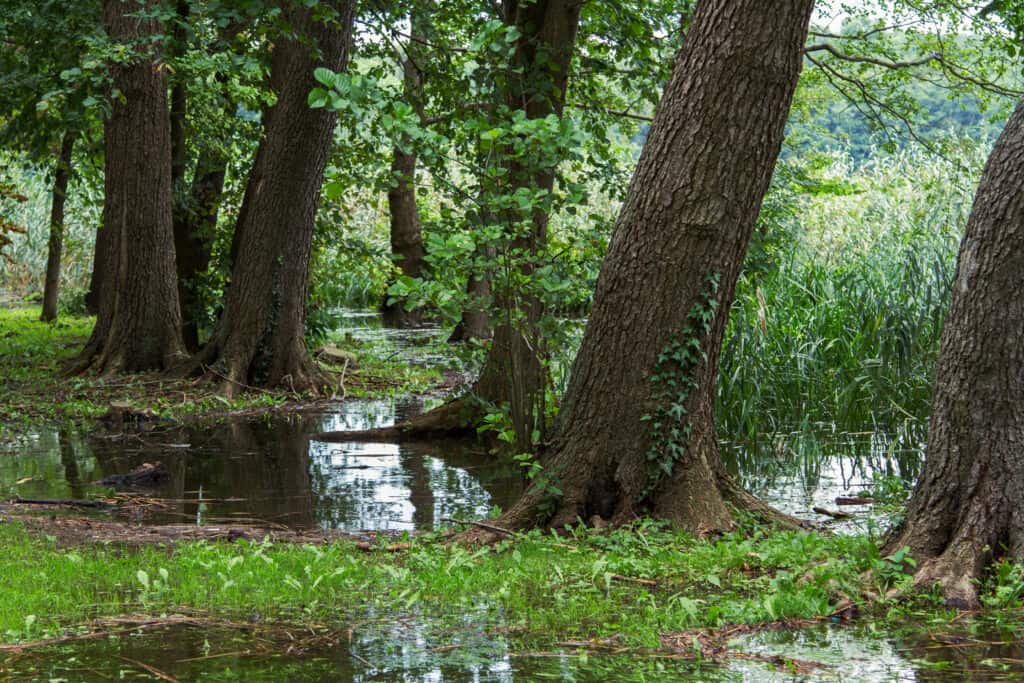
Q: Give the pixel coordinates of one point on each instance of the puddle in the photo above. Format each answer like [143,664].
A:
[406,650]
[799,471]
[421,345]
[402,652]
[859,654]
[267,470]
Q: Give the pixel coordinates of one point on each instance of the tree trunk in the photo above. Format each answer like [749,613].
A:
[474,323]
[51,288]
[406,229]
[138,322]
[636,434]
[260,335]
[101,245]
[193,238]
[513,374]
[195,207]
[966,509]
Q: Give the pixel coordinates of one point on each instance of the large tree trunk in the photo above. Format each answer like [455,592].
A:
[406,228]
[636,434]
[966,509]
[196,206]
[260,335]
[474,323]
[193,238]
[51,288]
[138,322]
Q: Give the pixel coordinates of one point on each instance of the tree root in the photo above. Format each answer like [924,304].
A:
[743,500]
[956,570]
[453,419]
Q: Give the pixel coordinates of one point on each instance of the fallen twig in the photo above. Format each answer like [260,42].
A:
[854,500]
[834,514]
[631,579]
[482,525]
[151,669]
[69,502]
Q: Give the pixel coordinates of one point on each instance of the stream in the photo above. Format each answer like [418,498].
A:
[267,471]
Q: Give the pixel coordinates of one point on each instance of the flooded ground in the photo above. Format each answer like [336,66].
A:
[268,471]
[405,650]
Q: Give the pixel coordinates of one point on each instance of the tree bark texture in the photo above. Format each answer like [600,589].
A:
[260,335]
[138,322]
[474,323]
[406,229]
[688,217]
[62,173]
[195,206]
[194,230]
[966,509]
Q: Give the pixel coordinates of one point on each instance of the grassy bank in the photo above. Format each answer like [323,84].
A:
[632,586]
[33,388]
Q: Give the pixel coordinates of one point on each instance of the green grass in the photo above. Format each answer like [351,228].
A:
[538,588]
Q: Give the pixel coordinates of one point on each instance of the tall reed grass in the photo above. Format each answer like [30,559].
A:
[843,330]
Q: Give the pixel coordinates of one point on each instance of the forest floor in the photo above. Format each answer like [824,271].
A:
[643,593]
[34,388]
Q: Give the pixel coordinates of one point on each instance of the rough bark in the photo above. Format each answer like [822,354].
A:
[260,335]
[195,206]
[474,323]
[193,238]
[62,173]
[138,322]
[406,229]
[688,216]
[966,508]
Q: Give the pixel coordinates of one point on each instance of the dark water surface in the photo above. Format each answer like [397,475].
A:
[267,470]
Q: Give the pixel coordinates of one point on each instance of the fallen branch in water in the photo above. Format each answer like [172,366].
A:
[854,500]
[69,502]
[149,669]
[834,514]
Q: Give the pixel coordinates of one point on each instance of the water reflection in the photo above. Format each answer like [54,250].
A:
[974,652]
[798,471]
[268,471]
[408,649]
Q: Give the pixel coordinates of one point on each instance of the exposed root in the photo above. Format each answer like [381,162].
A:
[956,571]
[747,502]
[453,419]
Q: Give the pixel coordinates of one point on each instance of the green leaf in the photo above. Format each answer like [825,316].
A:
[333,190]
[325,76]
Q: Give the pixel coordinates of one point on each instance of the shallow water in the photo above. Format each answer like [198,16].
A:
[267,470]
[407,650]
